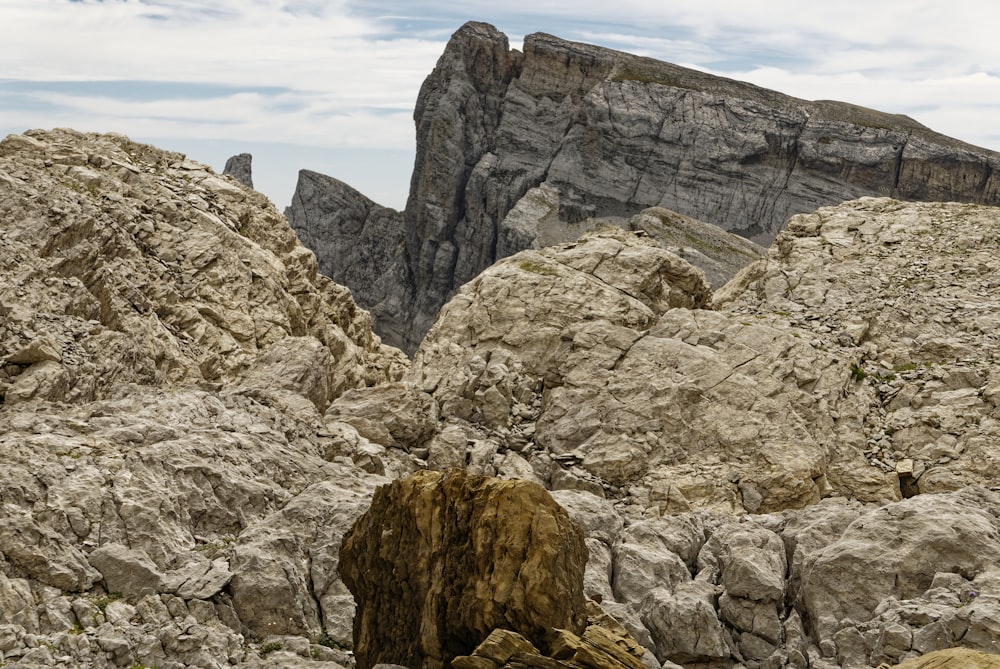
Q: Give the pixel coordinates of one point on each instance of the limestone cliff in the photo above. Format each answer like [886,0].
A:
[612,134]
[358,243]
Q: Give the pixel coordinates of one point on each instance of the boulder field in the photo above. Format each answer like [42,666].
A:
[798,469]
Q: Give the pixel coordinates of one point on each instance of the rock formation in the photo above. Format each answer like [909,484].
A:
[440,560]
[167,350]
[604,644]
[564,133]
[817,391]
[147,268]
[795,470]
[358,244]
[239,168]
[957,658]
[534,223]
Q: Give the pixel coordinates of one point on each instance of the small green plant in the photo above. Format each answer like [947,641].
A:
[647,74]
[538,268]
[857,373]
[77,629]
[326,640]
[102,602]
[269,648]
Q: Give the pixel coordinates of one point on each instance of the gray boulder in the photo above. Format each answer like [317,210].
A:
[128,572]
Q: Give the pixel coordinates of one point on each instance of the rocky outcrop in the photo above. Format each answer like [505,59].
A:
[906,289]
[239,168]
[440,560]
[719,254]
[145,267]
[793,471]
[602,370]
[623,377]
[166,350]
[566,132]
[535,223]
[358,243]
[882,389]
[604,644]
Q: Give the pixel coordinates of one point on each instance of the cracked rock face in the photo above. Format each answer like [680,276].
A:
[604,356]
[167,348]
[123,263]
[910,287]
[524,150]
[798,470]
[657,418]
[953,659]
[441,560]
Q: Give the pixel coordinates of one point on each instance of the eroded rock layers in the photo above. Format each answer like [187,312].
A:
[167,351]
[565,134]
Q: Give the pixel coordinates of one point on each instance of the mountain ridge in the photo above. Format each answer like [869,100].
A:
[614,134]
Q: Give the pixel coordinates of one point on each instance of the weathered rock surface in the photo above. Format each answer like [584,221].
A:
[240,168]
[797,471]
[909,290]
[440,560]
[601,355]
[777,401]
[535,223]
[604,644]
[167,348]
[882,391]
[953,659]
[517,148]
[145,267]
[358,244]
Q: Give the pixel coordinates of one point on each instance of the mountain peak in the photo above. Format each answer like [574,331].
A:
[611,134]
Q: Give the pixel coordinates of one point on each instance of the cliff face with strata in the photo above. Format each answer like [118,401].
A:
[610,134]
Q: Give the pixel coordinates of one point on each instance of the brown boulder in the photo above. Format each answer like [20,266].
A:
[953,658]
[440,560]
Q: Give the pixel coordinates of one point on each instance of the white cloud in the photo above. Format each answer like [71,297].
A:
[318,46]
[291,118]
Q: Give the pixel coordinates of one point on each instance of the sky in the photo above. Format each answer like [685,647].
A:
[330,85]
